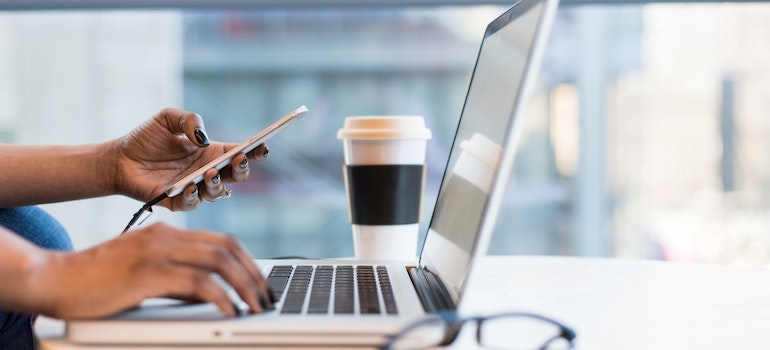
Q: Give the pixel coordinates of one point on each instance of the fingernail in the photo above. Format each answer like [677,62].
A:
[266,152]
[201,137]
[194,194]
[244,163]
[236,310]
[215,179]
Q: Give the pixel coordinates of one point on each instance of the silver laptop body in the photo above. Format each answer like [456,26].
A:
[461,227]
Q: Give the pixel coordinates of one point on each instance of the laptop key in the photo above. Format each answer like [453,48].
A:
[368,301]
[343,290]
[387,290]
[298,287]
[278,278]
[341,287]
[277,284]
[321,290]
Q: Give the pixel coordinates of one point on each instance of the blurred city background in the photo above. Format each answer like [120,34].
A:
[647,136]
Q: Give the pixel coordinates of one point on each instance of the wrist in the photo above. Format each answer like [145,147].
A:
[107,167]
[47,283]
[61,283]
[38,282]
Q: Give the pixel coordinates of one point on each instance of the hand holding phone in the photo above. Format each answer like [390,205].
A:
[225,159]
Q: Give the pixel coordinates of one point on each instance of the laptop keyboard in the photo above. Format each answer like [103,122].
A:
[341,289]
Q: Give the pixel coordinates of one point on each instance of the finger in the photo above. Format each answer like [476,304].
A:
[257,154]
[194,129]
[245,258]
[254,291]
[237,275]
[188,200]
[221,260]
[213,184]
[224,255]
[192,284]
[260,153]
[183,122]
[239,168]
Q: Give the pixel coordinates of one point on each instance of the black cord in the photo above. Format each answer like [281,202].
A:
[146,207]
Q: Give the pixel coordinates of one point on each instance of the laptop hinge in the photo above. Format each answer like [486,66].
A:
[431,291]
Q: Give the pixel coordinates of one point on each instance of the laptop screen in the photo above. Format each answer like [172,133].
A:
[477,169]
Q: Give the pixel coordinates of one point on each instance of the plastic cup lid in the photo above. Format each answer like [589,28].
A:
[384,127]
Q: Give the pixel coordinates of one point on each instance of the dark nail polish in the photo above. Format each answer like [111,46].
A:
[201,137]
[239,311]
[215,179]
[194,194]
[266,152]
[244,163]
[265,304]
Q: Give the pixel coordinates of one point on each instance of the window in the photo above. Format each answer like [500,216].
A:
[645,138]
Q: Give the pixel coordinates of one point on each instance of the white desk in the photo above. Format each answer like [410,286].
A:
[622,304]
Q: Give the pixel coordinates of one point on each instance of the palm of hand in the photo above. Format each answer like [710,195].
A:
[151,157]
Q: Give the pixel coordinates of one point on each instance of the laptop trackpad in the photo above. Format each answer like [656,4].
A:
[171,309]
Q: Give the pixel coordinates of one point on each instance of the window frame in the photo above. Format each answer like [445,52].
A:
[25,5]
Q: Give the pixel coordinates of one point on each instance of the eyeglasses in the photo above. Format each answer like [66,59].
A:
[514,331]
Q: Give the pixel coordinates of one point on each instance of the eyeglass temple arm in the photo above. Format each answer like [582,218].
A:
[565,333]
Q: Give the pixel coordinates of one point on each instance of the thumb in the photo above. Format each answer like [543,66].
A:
[194,125]
[191,124]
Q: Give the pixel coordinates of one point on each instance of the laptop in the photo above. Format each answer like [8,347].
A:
[346,312]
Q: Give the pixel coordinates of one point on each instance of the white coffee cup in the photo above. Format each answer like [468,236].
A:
[384,180]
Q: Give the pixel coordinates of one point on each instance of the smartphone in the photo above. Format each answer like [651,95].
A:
[225,159]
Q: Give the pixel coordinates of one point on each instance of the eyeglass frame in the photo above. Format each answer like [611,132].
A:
[456,323]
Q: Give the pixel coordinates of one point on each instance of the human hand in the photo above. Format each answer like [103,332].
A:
[170,145]
[155,261]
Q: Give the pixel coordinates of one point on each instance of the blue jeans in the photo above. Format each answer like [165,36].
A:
[40,228]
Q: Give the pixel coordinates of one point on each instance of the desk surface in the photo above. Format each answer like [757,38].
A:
[619,304]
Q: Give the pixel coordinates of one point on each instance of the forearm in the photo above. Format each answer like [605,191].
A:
[45,282]
[21,264]
[45,174]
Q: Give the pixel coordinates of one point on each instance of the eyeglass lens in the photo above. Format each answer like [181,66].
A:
[520,333]
[497,332]
[421,335]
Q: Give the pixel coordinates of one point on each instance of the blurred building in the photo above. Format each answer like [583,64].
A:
[646,137]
